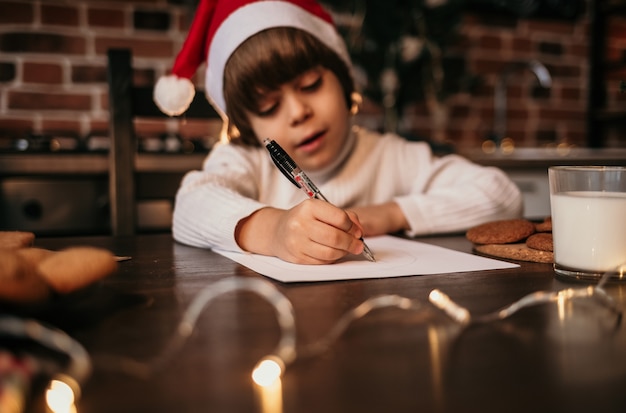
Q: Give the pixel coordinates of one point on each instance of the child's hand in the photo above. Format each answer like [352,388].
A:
[316,232]
[313,232]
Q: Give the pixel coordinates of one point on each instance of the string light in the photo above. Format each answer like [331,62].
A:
[61,394]
[452,309]
[284,353]
[267,371]
[462,316]
[367,306]
[272,367]
[64,389]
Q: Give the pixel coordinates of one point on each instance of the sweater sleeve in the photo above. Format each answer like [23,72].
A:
[454,194]
[210,202]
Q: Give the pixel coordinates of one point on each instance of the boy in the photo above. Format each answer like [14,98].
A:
[279,70]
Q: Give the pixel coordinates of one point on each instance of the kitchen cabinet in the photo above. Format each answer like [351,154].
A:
[68,194]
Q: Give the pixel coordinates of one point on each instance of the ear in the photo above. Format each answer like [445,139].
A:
[356,100]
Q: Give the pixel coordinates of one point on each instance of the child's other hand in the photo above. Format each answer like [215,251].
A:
[381,219]
[312,232]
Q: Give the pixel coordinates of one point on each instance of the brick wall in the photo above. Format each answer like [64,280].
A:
[535,115]
[53,63]
[53,79]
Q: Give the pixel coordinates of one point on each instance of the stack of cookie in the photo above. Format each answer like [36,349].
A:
[30,275]
[517,239]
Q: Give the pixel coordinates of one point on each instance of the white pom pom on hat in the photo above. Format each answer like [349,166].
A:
[219,27]
[173,94]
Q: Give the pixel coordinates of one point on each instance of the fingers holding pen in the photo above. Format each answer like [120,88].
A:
[357,228]
[312,232]
[327,233]
[323,212]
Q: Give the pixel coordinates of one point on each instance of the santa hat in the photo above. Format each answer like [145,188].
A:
[219,27]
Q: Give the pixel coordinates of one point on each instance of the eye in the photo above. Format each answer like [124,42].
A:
[265,110]
[267,104]
[311,82]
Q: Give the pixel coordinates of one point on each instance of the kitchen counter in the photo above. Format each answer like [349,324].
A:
[92,163]
[545,157]
[528,168]
[97,163]
[37,186]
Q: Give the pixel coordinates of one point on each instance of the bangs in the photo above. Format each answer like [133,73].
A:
[264,63]
[268,60]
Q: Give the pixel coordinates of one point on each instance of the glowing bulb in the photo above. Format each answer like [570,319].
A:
[563,149]
[267,371]
[444,303]
[488,146]
[507,146]
[60,397]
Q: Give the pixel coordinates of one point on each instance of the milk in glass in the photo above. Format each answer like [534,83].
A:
[589,229]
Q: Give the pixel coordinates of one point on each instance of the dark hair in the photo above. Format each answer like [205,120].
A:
[266,61]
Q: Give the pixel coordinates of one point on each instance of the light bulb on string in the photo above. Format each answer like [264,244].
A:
[283,354]
[462,316]
[268,370]
[61,394]
[271,367]
[64,388]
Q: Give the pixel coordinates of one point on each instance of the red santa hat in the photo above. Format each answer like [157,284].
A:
[219,27]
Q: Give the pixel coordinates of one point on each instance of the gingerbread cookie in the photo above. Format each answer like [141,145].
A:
[19,280]
[501,232]
[16,239]
[516,252]
[540,241]
[545,226]
[74,268]
[30,275]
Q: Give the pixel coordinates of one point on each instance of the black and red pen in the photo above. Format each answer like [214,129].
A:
[297,176]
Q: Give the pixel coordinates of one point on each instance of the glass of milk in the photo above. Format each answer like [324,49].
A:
[588,206]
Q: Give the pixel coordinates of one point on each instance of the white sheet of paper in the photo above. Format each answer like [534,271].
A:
[395,257]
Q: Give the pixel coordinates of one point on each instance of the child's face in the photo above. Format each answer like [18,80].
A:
[308,117]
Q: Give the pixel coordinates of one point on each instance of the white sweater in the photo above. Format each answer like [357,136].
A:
[436,194]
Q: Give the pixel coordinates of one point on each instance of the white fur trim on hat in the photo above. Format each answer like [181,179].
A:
[251,19]
[173,94]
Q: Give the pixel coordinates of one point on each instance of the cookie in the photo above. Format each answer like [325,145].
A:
[505,231]
[34,255]
[16,239]
[74,268]
[540,241]
[516,252]
[545,226]
[19,281]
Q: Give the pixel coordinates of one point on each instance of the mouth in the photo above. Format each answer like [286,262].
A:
[312,142]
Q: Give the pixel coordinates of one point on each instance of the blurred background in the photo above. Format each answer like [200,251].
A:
[533,80]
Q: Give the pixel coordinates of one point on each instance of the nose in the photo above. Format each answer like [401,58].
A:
[298,108]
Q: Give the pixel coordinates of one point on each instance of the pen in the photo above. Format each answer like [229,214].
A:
[297,177]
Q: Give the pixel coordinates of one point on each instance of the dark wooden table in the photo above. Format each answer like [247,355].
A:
[548,358]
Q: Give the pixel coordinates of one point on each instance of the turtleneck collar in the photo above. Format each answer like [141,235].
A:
[322,175]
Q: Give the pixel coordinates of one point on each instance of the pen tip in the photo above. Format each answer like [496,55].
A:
[368,253]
